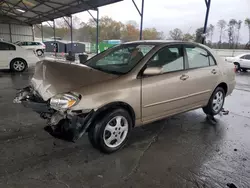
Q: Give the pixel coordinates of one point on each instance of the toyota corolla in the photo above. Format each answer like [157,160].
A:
[125,86]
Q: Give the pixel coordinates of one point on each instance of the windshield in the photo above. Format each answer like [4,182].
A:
[120,59]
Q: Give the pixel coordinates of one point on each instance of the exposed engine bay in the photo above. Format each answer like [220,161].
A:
[65,124]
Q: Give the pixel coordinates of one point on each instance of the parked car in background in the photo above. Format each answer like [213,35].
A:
[15,57]
[242,62]
[111,93]
[38,47]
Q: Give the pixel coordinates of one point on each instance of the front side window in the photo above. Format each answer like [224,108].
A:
[169,59]
[120,59]
[197,57]
[6,46]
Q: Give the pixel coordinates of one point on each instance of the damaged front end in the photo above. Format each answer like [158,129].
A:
[62,122]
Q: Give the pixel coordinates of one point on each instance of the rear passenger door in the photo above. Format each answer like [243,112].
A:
[203,74]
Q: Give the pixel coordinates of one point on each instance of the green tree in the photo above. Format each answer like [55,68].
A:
[238,27]
[188,37]
[211,32]
[176,34]
[221,24]
[231,32]
[199,35]
[247,23]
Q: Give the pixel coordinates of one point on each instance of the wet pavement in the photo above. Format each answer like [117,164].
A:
[182,151]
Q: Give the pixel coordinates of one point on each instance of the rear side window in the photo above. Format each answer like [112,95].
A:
[247,57]
[198,57]
[6,46]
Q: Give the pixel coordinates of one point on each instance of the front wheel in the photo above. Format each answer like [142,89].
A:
[216,102]
[237,66]
[111,132]
[18,65]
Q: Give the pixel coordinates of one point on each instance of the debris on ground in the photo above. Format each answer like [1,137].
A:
[225,112]
[235,150]
[231,185]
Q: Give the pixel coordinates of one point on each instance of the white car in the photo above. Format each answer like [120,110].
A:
[15,57]
[38,47]
[242,62]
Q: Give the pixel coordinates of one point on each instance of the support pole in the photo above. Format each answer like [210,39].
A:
[10,33]
[55,45]
[33,32]
[142,12]
[71,32]
[208,3]
[97,31]
[42,30]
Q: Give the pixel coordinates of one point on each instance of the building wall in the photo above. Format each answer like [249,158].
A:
[13,32]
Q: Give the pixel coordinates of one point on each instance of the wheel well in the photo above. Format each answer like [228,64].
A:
[114,105]
[223,85]
[18,58]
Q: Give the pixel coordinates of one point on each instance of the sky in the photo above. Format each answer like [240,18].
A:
[187,15]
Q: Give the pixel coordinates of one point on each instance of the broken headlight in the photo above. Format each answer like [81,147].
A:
[64,101]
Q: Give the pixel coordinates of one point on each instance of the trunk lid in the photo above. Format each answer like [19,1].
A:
[55,77]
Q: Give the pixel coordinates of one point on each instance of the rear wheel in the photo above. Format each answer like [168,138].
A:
[39,52]
[18,65]
[216,102]
[244,70]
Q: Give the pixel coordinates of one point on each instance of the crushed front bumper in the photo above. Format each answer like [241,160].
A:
[69,125]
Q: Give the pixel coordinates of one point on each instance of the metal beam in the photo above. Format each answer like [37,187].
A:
[206,3]
[91,15]
[142,12]
[206,20]
[55,45]
[136,7]
[10,33]
[97,31]
[42,30]
[71,32]
[67,21]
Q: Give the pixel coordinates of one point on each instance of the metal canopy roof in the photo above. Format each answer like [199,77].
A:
[37,11]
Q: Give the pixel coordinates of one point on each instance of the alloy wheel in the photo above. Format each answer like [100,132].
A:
[19,66]
[115,131]
[218,101]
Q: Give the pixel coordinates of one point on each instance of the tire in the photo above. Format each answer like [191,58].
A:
[18,65]
[244,70]
[39,53]
[107,134]
[237,66]
[216,102]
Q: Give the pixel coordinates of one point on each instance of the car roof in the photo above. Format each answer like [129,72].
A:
[159,42]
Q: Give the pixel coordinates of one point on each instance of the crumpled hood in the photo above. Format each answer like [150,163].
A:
[54,77]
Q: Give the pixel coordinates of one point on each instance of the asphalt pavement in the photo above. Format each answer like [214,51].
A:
[181,151]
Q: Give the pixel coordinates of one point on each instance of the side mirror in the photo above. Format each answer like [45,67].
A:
[150,71]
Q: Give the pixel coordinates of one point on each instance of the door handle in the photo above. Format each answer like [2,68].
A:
[214,71]
[184,77]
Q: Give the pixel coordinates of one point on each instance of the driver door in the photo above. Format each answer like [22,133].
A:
[164,94]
